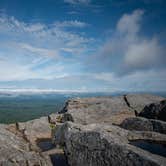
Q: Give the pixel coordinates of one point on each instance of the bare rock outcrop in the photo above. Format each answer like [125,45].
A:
[139,101]
[28,134]
[91,139]
[155,111]
[110,110]
[14,151]
[143,124]
[97,110]
[34,129]
[105,145]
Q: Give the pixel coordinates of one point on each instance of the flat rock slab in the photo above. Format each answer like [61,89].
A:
[105,109]
[97,110]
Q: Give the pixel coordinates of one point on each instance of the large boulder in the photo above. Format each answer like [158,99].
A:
[105,145]
[139,101]
[36,135]
[35,129]
[15,151]
[155,111]
[135,123]
[143,124]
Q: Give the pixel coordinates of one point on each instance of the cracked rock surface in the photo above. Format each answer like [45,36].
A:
[110,110]
[14,151]
[96,136]
[92,139]
[105,145]
[18,146]
[139,101]
[143,124]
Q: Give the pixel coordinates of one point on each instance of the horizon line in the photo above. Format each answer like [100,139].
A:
[38,90]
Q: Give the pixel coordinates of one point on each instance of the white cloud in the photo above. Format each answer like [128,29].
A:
[150,80]
[44,49]
[11,71]
[109,77]
[130,23]
[18,72]
[74,2]
[128,51]
[39,35]
[145,54]
[139,81]
[34,27]
[75,23]
[39,51]
[10,24]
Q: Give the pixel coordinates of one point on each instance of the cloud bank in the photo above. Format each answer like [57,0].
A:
[127,51]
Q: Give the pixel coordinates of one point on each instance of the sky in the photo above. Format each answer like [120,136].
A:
[84,45]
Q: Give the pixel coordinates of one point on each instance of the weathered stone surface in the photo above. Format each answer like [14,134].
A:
[135,123]
[143,124]
[37,128]
[98,143]
[105,109]
[139,101]
[155,111]
[14,151]
[31,132]
[158,126]
[97,110]
[105,145]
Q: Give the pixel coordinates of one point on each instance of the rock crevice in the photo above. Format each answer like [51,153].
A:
[126,101]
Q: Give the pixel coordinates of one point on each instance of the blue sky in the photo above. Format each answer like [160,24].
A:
[88,45]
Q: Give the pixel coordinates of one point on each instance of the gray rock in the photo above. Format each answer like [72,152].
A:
[143,124]
[97,110]
[158,126]
[98,143]
[37,128]
[136,123]
[15,151]
[139,101]
[105,109]
[155,111]
[105,145]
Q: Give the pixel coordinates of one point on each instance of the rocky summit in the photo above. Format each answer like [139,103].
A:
[98,131]
[110,110]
